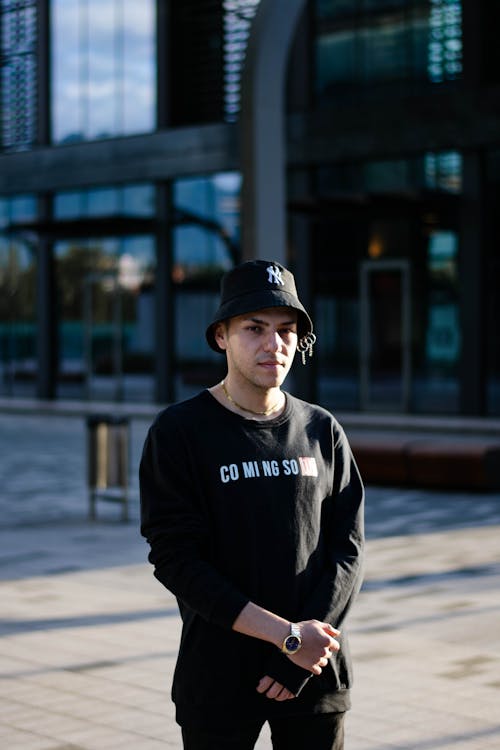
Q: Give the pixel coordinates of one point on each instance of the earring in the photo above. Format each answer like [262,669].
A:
[305,345]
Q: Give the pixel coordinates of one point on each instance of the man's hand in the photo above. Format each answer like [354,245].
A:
[319,641]
[274,690]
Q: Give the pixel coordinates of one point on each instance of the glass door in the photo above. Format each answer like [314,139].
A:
[106,320]
[385,335]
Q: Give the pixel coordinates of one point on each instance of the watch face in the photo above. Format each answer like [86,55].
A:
[292,644]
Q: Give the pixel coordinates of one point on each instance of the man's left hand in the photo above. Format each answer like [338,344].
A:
[274,690]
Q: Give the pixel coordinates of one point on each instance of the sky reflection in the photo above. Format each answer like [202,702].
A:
[103,68]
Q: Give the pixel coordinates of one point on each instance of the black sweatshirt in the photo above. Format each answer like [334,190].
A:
[239,510]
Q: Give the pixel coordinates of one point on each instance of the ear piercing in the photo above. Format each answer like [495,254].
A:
[305,345]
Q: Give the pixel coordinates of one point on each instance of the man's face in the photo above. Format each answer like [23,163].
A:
[260,345]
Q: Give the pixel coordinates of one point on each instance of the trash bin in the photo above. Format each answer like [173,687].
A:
[108,461]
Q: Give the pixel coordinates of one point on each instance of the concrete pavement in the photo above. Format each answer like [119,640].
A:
[88,638]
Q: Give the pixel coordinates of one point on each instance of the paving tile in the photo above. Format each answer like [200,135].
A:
[88,638]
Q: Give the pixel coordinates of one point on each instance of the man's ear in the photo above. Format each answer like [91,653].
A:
[220,334]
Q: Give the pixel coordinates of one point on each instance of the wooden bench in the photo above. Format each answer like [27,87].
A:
[473,465]
[381,459]
[431,462]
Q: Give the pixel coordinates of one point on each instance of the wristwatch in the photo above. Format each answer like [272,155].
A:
[293,641]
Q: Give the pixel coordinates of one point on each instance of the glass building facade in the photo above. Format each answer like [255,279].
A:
[110,262]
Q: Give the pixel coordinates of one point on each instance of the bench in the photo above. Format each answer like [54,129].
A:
[430,462]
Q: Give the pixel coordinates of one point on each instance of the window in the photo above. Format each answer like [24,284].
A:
[385,47]
[409,216]
[103,68]
[106,293]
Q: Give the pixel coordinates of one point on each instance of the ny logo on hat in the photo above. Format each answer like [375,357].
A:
[274,275]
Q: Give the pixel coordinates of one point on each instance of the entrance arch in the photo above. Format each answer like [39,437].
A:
[263,129]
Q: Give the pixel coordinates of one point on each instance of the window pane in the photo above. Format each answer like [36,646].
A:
[138,200]
[103,68]
[208,212]
[102,202]
[129,200]
[69,205]
[386,51]
[22,208]
[101,32]
[67,71]
[106,324]
[336,65]
[137,49]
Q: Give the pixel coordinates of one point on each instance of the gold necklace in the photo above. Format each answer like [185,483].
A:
[265,413]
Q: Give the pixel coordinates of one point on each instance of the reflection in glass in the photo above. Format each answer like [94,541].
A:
[205,243]
[389,46]
[444,53]
[385,326]
[106,324]
[437,356]
[443,171]
[434,171]
[328,10]
[410,213]
[103,68]
[128,200]
[207,233]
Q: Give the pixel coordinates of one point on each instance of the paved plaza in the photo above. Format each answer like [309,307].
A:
[88,638]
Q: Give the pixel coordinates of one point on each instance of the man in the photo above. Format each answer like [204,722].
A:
[253,508]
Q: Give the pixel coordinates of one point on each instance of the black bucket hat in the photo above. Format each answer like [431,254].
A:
[256,285]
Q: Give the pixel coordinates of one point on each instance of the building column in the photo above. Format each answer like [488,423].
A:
[164,298]
[262,121]
[162,67]
[46,306]
[472,232]
[472,288]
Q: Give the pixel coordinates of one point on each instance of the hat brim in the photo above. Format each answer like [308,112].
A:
[258,301]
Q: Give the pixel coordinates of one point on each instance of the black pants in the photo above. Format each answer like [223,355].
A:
[319,731]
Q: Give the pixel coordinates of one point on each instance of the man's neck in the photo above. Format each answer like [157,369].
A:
[262,404]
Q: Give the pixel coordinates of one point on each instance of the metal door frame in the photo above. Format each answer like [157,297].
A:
[366,268]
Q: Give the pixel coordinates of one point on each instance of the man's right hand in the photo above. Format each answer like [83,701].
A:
[318,638]
[319,641]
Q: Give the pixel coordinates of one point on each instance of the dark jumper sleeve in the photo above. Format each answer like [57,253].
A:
[341,580]
[173,523]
